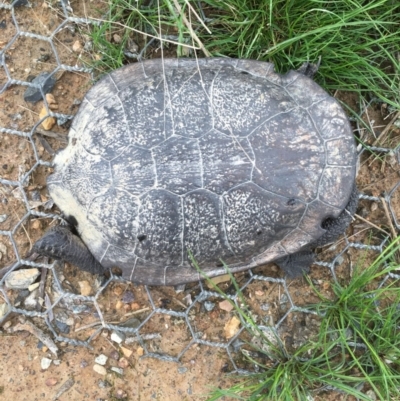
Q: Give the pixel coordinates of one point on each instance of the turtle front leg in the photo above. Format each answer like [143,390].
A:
[60,243]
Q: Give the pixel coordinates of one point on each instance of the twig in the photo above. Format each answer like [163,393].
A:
[371,224]
[41,289]
[136,312]
[65,387]
[386,130]
[88,326]
[392,229]
[44,338]
[60,137]
[197,16]
[192,32]
[146,34]
[179,302]
[46,145]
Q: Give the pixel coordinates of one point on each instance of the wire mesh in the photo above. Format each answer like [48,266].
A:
[57,302]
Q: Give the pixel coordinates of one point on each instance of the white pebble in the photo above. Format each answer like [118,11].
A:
[117,337]
[33,286]
[45,363]
[101,370]
[118,370]
[101,359]
[21,279]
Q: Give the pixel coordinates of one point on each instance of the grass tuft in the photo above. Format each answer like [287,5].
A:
[357,348]
[358,40]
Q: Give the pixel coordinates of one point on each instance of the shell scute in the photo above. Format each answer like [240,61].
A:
[289,146]
[255,218]
[226,161]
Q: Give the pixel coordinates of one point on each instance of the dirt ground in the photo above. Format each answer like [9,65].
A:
[201,367]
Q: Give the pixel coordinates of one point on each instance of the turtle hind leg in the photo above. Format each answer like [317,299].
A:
[62,244]
[296,264]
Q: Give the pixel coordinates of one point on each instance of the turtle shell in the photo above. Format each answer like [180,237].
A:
[215,159]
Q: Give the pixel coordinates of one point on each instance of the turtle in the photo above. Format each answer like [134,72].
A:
[179,168]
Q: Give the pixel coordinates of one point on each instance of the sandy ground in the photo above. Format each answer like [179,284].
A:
[201,367]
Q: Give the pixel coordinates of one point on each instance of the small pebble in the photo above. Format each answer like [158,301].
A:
[117,337]
[63,327]
[22,278]
[123,363]
[8,324]
[284,299]
[85,288]
[51,381]
[101,370]
[225,305]
[103,384]
[209,306]
[232,327]
[118,370]
[114,355]
[120,394]
[77,46]
[56,362]
[33,286]
[140,351]
[127,352]
[62,120]
[128,297]
[3,311]
[187,299]
[180,288]
[182,370]
[101,359]
[78,309]
[51,100]
[339,260]
[3,218]
[118,291]
[49,122]
[31,301]
[44,80]
[83,363]
[45,363]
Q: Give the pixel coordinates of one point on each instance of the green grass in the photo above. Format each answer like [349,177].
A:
[358,41]
[357,348]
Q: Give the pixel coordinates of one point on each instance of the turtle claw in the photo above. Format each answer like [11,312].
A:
[309,69]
